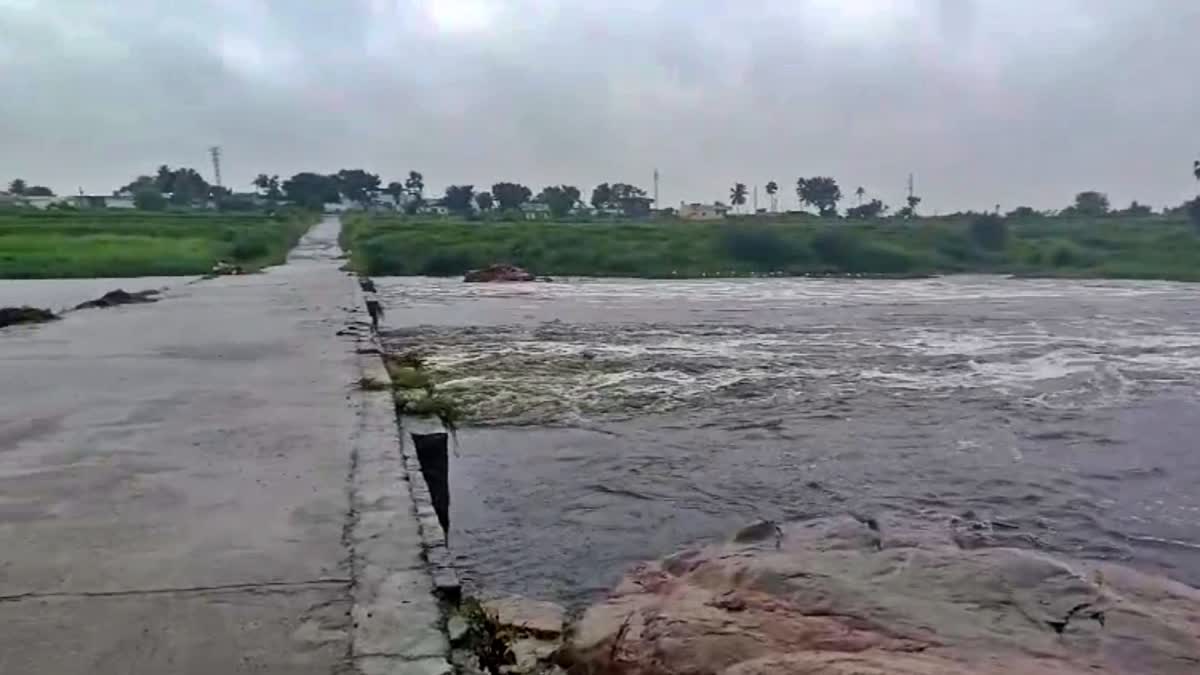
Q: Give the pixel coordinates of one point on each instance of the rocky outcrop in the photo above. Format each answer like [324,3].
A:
[868,597]
[499,273]
[11,316]
[119,297]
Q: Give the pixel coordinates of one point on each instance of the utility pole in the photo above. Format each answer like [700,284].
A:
[215,151]
[910,187]
[756,197]
[656,206]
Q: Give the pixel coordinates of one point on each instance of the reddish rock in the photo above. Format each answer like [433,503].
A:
[499,273]
[841,597]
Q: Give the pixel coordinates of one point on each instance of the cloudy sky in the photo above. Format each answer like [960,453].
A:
[986,101]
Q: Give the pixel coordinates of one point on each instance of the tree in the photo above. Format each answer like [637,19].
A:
[772,189]
[909,211]
[872,209]
[458,198]
[510,195]
[396,190]
[187,186]
[1136,210]
[140,184]
[268,186]
[357,185]
[1089,203]
[38,191]
[820,192]
[560,198]
[632,200]
[1196,169]
[311,190]
[989,231]
[860,192]
[737,195]
[1022,212]
[602,196]
[484,201]
[1193,212]
[415,186]
[18,186]
[149,199]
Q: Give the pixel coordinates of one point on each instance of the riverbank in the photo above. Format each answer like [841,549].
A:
[81,244]
[1153,247]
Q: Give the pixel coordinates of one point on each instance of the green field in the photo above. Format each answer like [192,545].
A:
[1152,247]
[58,244]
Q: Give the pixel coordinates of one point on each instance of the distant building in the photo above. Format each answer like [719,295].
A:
[120,202]
[536,211]
[434,208]
[90,201]
[699,211]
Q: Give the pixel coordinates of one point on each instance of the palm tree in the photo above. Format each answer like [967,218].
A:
[860,193]
[772,188]
[737,194]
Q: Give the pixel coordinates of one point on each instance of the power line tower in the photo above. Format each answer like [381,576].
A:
[215,151]
[656,206]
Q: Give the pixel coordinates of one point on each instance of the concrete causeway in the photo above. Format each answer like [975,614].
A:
[196,486]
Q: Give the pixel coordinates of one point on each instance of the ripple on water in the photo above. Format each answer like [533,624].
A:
[653,417]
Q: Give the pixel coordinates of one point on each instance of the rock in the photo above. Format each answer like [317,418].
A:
[877,597]
[499,273]
[529,653]
[119,297]
[12,316]
[224,268]
[456,629]
[523,616]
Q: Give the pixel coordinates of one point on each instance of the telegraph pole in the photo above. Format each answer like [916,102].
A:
[656,206]
[215,151]
[910,187]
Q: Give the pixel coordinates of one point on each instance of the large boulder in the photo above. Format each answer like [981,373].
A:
[860,596]
[499,273]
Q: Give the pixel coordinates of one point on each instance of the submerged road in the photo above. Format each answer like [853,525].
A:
[177,481]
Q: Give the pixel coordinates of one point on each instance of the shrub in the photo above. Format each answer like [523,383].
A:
[989,232]
[150,200]
[447,264]
[760,246]
[1193,211]
[248,246]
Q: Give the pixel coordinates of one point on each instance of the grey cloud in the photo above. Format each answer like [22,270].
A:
[987,101]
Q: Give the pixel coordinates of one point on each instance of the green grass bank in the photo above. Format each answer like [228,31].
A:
[66,244]
[1152,247]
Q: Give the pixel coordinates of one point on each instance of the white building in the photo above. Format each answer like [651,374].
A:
[697,211]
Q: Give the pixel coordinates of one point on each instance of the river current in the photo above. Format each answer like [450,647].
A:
[612,421]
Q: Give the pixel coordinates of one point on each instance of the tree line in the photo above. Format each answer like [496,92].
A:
[823,194]
[314,190]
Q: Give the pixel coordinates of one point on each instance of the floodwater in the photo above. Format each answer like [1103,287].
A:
[60,294]
[614,421]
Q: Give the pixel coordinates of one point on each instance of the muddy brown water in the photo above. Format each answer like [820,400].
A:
[618,420]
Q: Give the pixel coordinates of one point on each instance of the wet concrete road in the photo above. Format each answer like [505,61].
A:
[173,479]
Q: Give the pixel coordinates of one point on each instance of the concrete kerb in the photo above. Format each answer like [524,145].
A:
[399,622]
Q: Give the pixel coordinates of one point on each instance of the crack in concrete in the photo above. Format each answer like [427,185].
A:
[271,586]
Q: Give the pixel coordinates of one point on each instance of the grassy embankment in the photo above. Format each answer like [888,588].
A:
[54,244]
[1153,247]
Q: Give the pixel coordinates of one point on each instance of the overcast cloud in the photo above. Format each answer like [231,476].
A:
[986,101]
